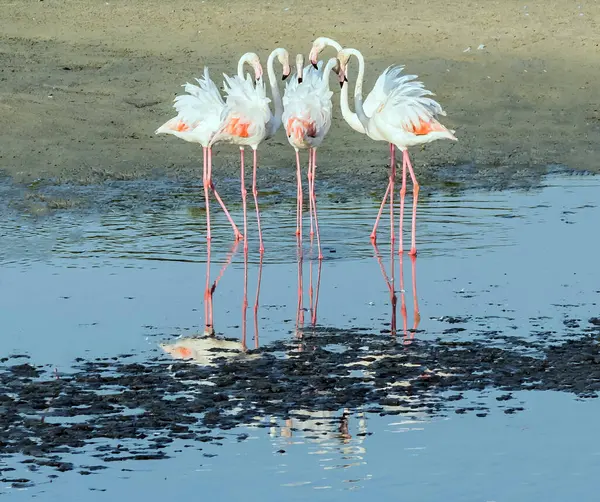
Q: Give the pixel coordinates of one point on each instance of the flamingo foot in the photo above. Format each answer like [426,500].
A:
[413,252]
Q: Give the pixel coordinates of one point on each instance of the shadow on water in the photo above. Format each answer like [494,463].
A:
[129,340]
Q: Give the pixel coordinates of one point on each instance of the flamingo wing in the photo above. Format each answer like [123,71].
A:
[202,103]
[407,107]
[246,111]
[385,83]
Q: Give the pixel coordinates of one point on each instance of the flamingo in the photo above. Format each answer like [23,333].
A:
[247,121]
[406,117]
[198,118]
[307,111]
[374,99]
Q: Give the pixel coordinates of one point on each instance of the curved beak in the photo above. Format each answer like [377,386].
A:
[284,76]
[315,66]
[299,80]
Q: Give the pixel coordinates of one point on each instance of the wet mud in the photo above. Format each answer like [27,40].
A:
[146,406]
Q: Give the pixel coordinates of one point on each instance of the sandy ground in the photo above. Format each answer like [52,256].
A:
[85,84]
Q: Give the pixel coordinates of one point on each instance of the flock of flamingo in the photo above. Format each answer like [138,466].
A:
[398,110]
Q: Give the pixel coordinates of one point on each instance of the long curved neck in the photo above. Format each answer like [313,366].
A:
[332,43]
[349,116]
[245,59]
[327,71]
[275,122]
[358,97]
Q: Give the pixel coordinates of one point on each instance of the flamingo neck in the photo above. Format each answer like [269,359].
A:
[275,121]
[358,97]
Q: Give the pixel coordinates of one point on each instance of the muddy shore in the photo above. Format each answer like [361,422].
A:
[84,86]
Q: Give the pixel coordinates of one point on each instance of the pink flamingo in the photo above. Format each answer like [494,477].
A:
[373,101]
[198,118]
[247,121]
[406,117]
[306,116]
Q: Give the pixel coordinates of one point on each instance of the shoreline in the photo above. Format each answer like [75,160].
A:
[84,87]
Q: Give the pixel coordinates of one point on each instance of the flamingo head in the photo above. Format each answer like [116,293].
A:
[254,61]
[299,67]
[318,45]
[283,57]
[343,58]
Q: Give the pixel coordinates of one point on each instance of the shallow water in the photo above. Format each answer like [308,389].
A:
[491,266]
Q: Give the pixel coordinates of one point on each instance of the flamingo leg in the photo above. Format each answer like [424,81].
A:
[402,195]
[206,184]
[413,244]
[299,206]
[236,233]
[310,204]
[244,194]
[385,197]
[392,179]
[387,191]
[255,193]
[313,196]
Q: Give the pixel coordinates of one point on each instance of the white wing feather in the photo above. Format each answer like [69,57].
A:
[406,104]
[199,111]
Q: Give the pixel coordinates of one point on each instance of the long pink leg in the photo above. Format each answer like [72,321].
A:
[392,179]
[402,195]
[385,197]
[313,197]
[245,300]
[206,183]
[236,233]
[260,264]
[310,204]
[413,243]
[255,193]
[244,194]
[387,192]
[299,207]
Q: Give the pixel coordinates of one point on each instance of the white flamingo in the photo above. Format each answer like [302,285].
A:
[198,117]
[405,117]
[306,117]
[247,121]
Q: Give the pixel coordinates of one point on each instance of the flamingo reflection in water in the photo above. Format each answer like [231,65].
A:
[390,282]
[245,300]
[313,294]
[201,350]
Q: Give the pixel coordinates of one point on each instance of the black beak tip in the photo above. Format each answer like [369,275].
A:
[283,77]
[341,84]
[300,80]
[345,79]
[315,66]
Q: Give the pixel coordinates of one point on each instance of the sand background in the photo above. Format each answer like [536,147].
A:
[84,84]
